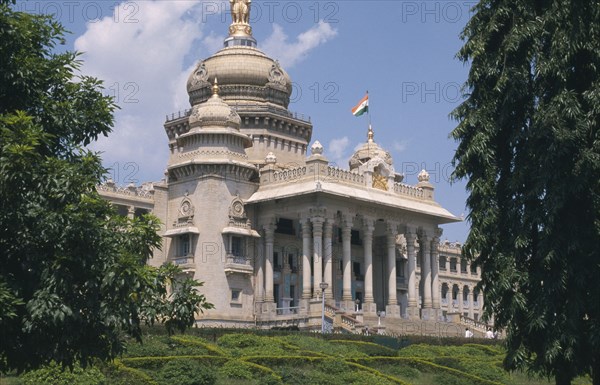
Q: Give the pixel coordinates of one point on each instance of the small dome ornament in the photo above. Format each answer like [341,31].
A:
[214,112]
[316,148]
[423,176]
[270,158]
[215,88]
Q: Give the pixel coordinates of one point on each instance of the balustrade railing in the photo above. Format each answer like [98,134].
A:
[287,310]
[405,189]
[348,322]
[129,190]
[291,174]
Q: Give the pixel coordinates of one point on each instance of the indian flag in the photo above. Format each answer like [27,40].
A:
[361,107]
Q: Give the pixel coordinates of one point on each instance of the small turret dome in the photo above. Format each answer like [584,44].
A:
[368,151]
[214,113]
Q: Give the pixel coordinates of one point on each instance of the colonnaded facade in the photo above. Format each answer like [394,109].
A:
[270,227]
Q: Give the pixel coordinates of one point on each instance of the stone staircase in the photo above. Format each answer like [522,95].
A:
[355,322]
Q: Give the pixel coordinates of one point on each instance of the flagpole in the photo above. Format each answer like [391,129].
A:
[370,130]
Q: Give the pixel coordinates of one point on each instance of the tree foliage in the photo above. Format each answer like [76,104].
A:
[529,145]
[73,274]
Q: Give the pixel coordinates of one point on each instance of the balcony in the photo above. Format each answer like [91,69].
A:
[186,263]
[238,265]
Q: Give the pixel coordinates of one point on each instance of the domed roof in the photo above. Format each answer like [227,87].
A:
[214,113]
[244,73]
[368,151]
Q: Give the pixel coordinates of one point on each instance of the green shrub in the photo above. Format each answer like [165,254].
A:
[369,348]
[54,374]
[236,369]
[185,372]
[249,372]
[243,344]
[119,374]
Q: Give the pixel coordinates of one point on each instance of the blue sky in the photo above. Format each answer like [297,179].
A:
[402,52]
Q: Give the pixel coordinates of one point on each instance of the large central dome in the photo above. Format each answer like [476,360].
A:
[245,74]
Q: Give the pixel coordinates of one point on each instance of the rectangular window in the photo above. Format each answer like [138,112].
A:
[293,295]
[400,268]
[473,269]
[237,246]
[285,226]
[236,295]
[276,262]
[463,266]
[355,238]
[357,273]
[442,262]
[184,245]
[276,294]
[453,265]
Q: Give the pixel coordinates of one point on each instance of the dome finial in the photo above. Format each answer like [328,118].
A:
[240,18]
[215,88]
[370,135]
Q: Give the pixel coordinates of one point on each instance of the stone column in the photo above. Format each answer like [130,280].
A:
[413,310]
[328,258]
[426,275]
[435,279]
[470,302]
[269,240]
[460,299]
[259,296]
[131,212]
[317,223]
[369,306]
[347,261]
[392,309]
[306,268]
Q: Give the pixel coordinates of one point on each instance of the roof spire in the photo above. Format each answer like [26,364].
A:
[370,134]
[215,88]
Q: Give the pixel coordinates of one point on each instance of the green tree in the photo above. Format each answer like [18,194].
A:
[73,276]
[529,147]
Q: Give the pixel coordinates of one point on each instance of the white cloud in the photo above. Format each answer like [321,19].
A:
[336,151]
[400,146]
[288,54]
[213,42]
[142,64]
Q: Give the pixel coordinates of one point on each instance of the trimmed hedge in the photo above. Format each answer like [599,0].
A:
[369,348]
[428,366]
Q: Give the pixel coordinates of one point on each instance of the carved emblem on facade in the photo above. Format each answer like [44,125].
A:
[236,210]
[186,212]
[200,74]
[276,75]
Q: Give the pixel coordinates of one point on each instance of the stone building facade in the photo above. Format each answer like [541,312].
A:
[252,207]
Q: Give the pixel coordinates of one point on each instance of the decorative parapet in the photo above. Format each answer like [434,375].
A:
[145,191]
[335,173]
[271,175]
[287,175]
[405,189]
[447,246]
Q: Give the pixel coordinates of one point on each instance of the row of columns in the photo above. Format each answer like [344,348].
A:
[317,238]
